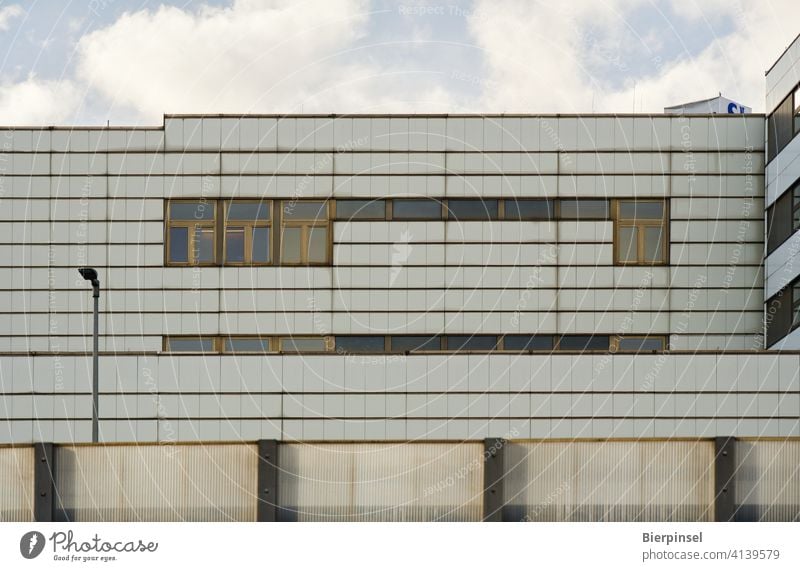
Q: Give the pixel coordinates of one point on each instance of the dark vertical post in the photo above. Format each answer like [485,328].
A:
[95,366]
[267,480]
[724,478]
[493,472]
[44,485]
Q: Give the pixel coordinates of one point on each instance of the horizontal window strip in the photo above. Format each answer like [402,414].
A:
[404,344]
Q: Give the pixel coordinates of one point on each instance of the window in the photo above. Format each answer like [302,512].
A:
[782,125]
[783,312]
[247,235]
[190,344]
[528,343]
[472,209]
[583,343]
[795,207]
[779,315]
[787,318]
[783,218]
[416,209]
[524,209]
[247,232]
[583,209]
[471,342]
[247,344]
[637,343]
[640,234]
[360,209]
[303,344]
[406,343]
[304,232]
[797,110]
[360,344]
[190,232]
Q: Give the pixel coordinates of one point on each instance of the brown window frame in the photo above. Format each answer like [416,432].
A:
[190,226]
[641,224]
[248,226]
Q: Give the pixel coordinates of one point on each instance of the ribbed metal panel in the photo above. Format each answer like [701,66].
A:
[381,482]
[609,481]
[768,480]
[157,483]
[16,484]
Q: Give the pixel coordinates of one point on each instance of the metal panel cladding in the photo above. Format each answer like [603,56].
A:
[644,480]
[16,484]
[157,483]
[381,482]
[768,480]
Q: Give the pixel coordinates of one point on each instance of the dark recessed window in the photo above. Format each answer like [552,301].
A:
[247,345]
[360,209]
[583,343]
[248,210]
[528,209]
[641,209]
[179,245]
[471,342]
[781,127]
[190,344]
[779,221]
[359,344]
[779,316]
[404,343]
[583,209]
[638,344]
[416,209]
[188,211]
[528,343]
[472,209]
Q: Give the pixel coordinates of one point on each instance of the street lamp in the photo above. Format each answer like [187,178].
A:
[90,275]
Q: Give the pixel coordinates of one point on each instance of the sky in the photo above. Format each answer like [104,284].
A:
[93,62]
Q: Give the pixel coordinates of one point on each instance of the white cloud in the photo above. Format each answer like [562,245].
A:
[254,56]
[273,56]
[38,102]
[537,52]
[8,13]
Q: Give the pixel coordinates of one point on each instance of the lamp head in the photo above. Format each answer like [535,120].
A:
[90,274]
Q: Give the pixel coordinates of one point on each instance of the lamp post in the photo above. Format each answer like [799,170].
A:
[90,275]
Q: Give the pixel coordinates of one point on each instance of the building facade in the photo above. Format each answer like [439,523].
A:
[403,277]
[782,264]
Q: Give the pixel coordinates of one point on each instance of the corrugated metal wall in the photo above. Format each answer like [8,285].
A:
[768,480]
[16,484]
[157,483]
[381,482]
[646,480]
[609,481]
